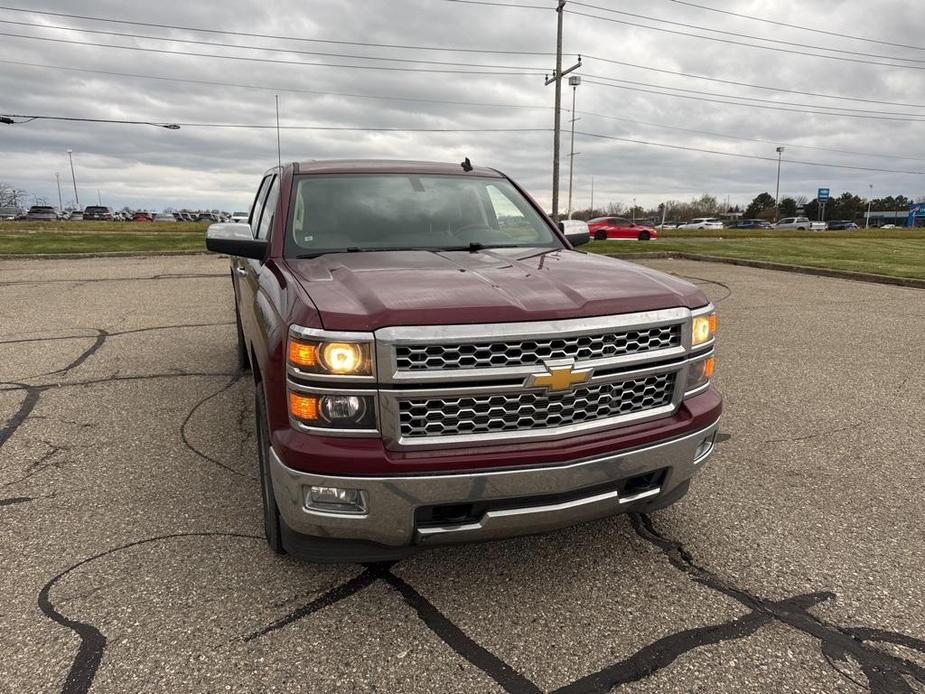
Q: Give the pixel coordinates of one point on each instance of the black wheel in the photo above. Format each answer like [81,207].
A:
[244,362]
[644,236]
[600,235]
[271,523]
[801,228]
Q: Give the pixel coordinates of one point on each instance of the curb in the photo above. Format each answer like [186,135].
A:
[111,254]
[781,267]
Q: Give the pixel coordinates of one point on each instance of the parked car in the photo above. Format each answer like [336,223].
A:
[10,213]
[207,217]
[842,225]
[888,226]
[607,228]
[185,217]
[800,223]
[239,217]
[413,361]
[98,213]
[41,213]
[164,217]
[142,217]
[752,224]
[703,223]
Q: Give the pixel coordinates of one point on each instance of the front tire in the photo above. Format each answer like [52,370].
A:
[644,236]
[600,235]
[271,522]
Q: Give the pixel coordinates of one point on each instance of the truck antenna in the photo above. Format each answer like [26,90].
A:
[279,151]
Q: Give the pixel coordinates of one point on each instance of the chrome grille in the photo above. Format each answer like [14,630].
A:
[529,352]
[531,410]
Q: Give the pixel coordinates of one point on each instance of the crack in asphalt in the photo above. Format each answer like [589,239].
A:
[93,280]
[884,671]
[371,574]
[814,435]
[704,281]
[113,333]
[39,465]
[186,442]
[15,500]
[22,414]
[92,641]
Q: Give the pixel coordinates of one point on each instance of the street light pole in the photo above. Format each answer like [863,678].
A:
[70,157]
[573,81]
[634,210]
[780,153]
[557,119]
[58,181]
[870,199]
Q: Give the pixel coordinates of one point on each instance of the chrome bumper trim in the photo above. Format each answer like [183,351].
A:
[392,500]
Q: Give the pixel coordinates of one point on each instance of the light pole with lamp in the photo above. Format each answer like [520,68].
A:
[780,152]
[574,81]
[70,157]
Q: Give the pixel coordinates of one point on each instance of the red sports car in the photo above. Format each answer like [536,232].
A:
[603,228]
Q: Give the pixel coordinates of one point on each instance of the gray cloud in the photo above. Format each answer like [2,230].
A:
[150,167]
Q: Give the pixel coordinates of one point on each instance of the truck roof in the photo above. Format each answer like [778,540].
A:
[340,166]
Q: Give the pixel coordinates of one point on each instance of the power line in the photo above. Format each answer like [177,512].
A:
[276,37]
[745,156]
[257,126]
[503,4]
[742,43]
[837,34]
[737,103]
[271,60]
[763,101]
[749,85]
[411,99]
[263,48]
[462,130]
[711,133]
[272,88]
[739,34]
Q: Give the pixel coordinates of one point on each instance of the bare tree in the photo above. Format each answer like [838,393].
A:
[10,196]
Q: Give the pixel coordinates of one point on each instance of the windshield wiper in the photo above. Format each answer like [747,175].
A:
[475,247]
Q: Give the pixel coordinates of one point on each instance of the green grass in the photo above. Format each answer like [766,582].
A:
[896,252]
[898,257]
[82,227]
[71,242]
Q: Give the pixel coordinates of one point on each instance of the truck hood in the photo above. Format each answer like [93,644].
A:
[370,290]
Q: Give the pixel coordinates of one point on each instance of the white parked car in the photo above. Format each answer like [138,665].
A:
[164,217]
[702,223]
[800,223]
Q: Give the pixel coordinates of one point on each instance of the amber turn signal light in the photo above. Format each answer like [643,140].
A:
[709,366]
[303,407]
[303,353]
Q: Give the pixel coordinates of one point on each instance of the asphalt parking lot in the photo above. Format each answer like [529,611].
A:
[132,557]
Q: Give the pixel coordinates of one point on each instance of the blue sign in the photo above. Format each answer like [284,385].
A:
[823,195]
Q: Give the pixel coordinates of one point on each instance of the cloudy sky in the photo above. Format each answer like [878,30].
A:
[304,51]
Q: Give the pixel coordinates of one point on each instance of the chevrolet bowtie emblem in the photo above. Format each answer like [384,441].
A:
[559,378]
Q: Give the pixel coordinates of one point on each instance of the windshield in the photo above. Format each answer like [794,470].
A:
[401,212]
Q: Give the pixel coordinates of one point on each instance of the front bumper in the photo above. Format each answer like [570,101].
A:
[390,517]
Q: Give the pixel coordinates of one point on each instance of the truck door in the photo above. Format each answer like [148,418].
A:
[243,269]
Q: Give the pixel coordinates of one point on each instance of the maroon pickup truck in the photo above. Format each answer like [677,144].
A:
[434,363]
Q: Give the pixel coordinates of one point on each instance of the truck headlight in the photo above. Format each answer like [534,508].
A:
[703,329]
[338,358]
[334,411]
[700,372]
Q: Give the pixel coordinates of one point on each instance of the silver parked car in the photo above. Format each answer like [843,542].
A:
[42,213]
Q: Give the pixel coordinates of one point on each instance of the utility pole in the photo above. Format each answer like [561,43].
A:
[70,157]
[870,199]
[634,210]
[573,81]
[557,120]
[58,181]
[99,198]
[780,153]
[592,196]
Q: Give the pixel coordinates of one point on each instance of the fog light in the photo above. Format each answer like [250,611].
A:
[338,407]
[335,500]
[704,448]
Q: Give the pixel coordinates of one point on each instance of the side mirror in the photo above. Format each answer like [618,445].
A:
[235,239]
[577,238]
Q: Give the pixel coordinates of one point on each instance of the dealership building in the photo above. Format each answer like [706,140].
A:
[913,217]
